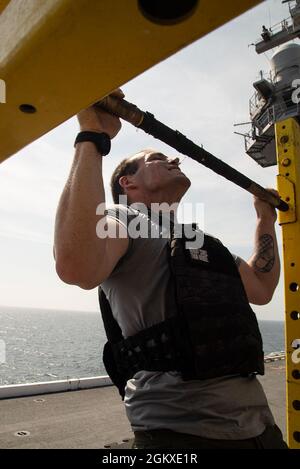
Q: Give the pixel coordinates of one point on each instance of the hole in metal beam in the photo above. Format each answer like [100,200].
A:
[296,436]
[167,12]
[295,315]
[296,405]
[296,374]
[27,108]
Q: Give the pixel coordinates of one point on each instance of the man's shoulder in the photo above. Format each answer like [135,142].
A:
[236,258]
[121,212]
[213,237]
[130,217]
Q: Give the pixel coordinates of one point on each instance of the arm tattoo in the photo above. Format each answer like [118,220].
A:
[265,257]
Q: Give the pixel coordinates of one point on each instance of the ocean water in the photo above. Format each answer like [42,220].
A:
[46,345]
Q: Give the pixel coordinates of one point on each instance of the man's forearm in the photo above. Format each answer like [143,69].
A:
[265,260]
[76,243]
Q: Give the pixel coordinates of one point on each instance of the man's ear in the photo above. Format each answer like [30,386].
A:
[126,182]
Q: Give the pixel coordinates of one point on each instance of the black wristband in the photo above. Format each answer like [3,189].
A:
[100,139]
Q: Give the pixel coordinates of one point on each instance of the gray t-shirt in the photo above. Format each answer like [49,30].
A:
[230,407]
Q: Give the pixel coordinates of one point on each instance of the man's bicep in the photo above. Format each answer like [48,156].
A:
[255,290]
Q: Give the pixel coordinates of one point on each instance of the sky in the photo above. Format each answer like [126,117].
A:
[202,91]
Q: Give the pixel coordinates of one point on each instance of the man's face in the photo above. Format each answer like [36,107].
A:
[157,172]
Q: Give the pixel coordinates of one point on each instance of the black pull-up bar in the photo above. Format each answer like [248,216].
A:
[147,122]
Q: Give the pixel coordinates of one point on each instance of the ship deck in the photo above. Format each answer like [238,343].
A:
[95,418]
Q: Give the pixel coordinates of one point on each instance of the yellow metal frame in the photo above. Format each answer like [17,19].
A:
[62,55]
[288,157]
[3,4]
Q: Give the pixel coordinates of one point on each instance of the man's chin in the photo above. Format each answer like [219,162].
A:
[183,182]
[184,179]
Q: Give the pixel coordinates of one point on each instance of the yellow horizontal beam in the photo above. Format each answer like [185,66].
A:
[287,144]
[61,55]
[3,4]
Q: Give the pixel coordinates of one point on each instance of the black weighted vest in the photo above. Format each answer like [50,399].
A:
[210,330]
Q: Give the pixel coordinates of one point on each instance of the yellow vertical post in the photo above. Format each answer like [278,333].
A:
[288,158]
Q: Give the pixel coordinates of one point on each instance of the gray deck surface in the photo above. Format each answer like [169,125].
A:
[94,418]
